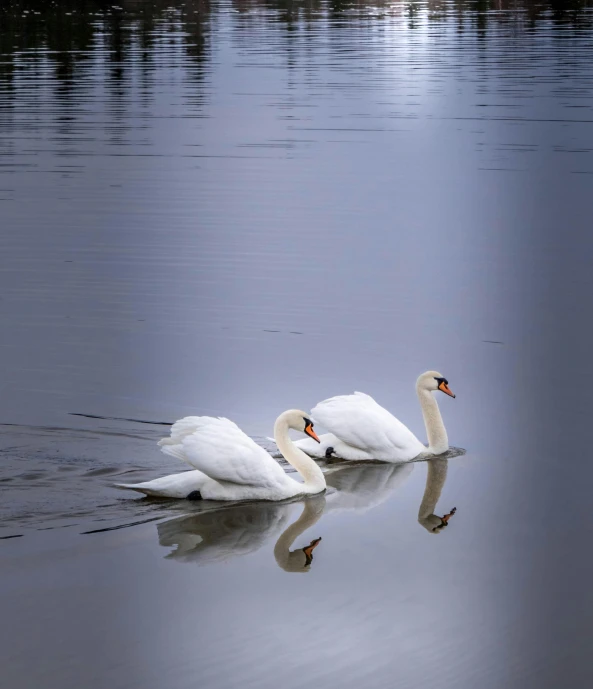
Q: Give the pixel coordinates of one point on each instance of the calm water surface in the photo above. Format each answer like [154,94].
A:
[233,208]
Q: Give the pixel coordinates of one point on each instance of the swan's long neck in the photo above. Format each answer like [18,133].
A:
[438,442]
[313,478]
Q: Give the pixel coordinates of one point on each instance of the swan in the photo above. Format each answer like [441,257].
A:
[360,429]
[229,465]
[435,480]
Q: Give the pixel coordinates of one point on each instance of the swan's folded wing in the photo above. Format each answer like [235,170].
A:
[359,421]
[222,451]
[190,424]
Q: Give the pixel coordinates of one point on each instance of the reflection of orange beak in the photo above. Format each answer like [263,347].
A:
[443,387]
[446,517]
[308,550]
[309,431]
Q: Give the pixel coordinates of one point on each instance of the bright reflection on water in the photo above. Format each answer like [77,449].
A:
[235,208]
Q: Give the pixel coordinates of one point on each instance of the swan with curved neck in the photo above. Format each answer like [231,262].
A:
[229,465]
[360,429]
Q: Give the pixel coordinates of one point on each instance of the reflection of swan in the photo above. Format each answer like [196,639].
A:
[229,465]
[361,429]
[241,529]
[299,560]
[238,530]
[360,488]
[435,480]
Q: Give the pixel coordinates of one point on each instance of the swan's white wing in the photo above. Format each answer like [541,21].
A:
[220,449]
[359,421]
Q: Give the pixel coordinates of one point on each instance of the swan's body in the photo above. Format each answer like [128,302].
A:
[229,465]
[361,429]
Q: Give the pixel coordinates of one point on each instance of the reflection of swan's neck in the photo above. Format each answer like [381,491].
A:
[297,561]
[435,480]
[438,442]
[314,481]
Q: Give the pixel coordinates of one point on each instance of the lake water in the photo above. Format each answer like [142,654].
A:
[235,208]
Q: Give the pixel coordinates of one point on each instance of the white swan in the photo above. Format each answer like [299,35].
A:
[229,465]
[360,429]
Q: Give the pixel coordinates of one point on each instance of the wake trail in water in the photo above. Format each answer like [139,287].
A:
[120,418]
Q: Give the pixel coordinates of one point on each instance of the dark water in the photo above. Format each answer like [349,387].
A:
[237,208]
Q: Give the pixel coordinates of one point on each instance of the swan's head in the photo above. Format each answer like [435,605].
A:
[299,421]
[433,381]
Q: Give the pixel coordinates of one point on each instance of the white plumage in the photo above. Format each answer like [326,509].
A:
[220,449]
[361,429]
[377,434]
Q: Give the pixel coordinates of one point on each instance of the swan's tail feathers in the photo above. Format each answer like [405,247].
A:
[138,487]
[307,445]
[172,449]
[312,447]
[174,486]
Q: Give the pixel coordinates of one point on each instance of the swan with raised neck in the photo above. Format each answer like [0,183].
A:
[361,429]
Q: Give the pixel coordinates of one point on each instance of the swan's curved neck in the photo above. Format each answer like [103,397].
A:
[438,442]
[312,510]
[313,478]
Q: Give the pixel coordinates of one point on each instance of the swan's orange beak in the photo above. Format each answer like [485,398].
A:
[310,432]
[443,387]
[308,550]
